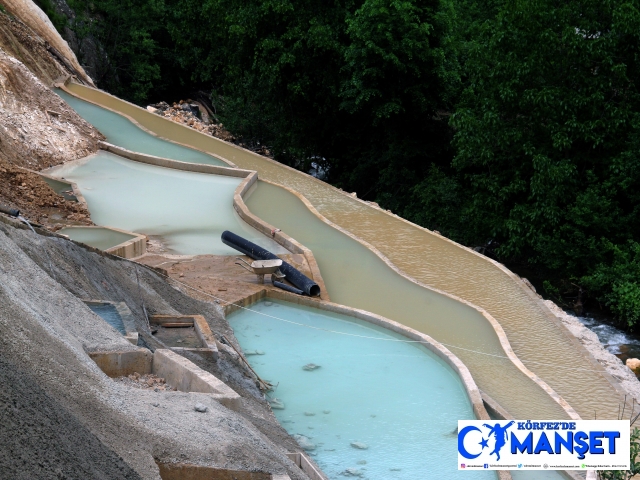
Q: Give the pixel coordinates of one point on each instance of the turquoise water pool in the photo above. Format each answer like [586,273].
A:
[397,399]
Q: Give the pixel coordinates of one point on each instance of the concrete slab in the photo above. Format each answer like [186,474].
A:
[201,327]
[183,471]
[119,364]
[186,376]
[303,462]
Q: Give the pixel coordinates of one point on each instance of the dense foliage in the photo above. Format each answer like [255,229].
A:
[511,126]
[546,142]
[634,461]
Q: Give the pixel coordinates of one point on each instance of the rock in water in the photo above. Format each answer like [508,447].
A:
[304,442]
[276,404]
[359,445]
[201,408]
[352,472]
[633,363]
[309,367]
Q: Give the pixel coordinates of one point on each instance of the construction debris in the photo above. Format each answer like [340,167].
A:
[146,382]
[194,115]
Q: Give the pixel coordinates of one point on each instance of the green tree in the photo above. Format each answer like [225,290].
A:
[634,452]
[544,134]
[131,38]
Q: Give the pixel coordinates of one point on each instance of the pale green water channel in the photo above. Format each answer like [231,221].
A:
[535,336]
[118,130]
[357,277]
[397,399]
[188,210]
[101,238]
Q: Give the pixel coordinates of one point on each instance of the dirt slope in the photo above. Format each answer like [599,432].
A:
[37,130]
[19,41]
[36,20]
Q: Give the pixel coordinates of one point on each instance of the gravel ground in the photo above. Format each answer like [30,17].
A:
[45,332]
[40,438]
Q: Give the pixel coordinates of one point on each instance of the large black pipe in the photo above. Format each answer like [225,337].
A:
[288,288]
[252,250]
[9,211]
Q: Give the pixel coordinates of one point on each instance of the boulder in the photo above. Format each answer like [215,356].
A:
[633,364]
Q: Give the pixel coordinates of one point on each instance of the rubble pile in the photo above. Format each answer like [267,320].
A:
[195,115]
[27,192]
[146,382]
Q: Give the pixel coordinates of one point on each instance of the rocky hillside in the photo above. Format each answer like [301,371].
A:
[37,129]
[42,33]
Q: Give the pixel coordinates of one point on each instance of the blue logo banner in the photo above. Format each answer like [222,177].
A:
[543,445]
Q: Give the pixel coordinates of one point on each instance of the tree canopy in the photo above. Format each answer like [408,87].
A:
[508,126]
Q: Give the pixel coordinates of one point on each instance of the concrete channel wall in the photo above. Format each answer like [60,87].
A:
[185,471]
[132,248]
[296,247]
[179,372]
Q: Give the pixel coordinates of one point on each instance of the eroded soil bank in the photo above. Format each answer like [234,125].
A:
[37,129]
